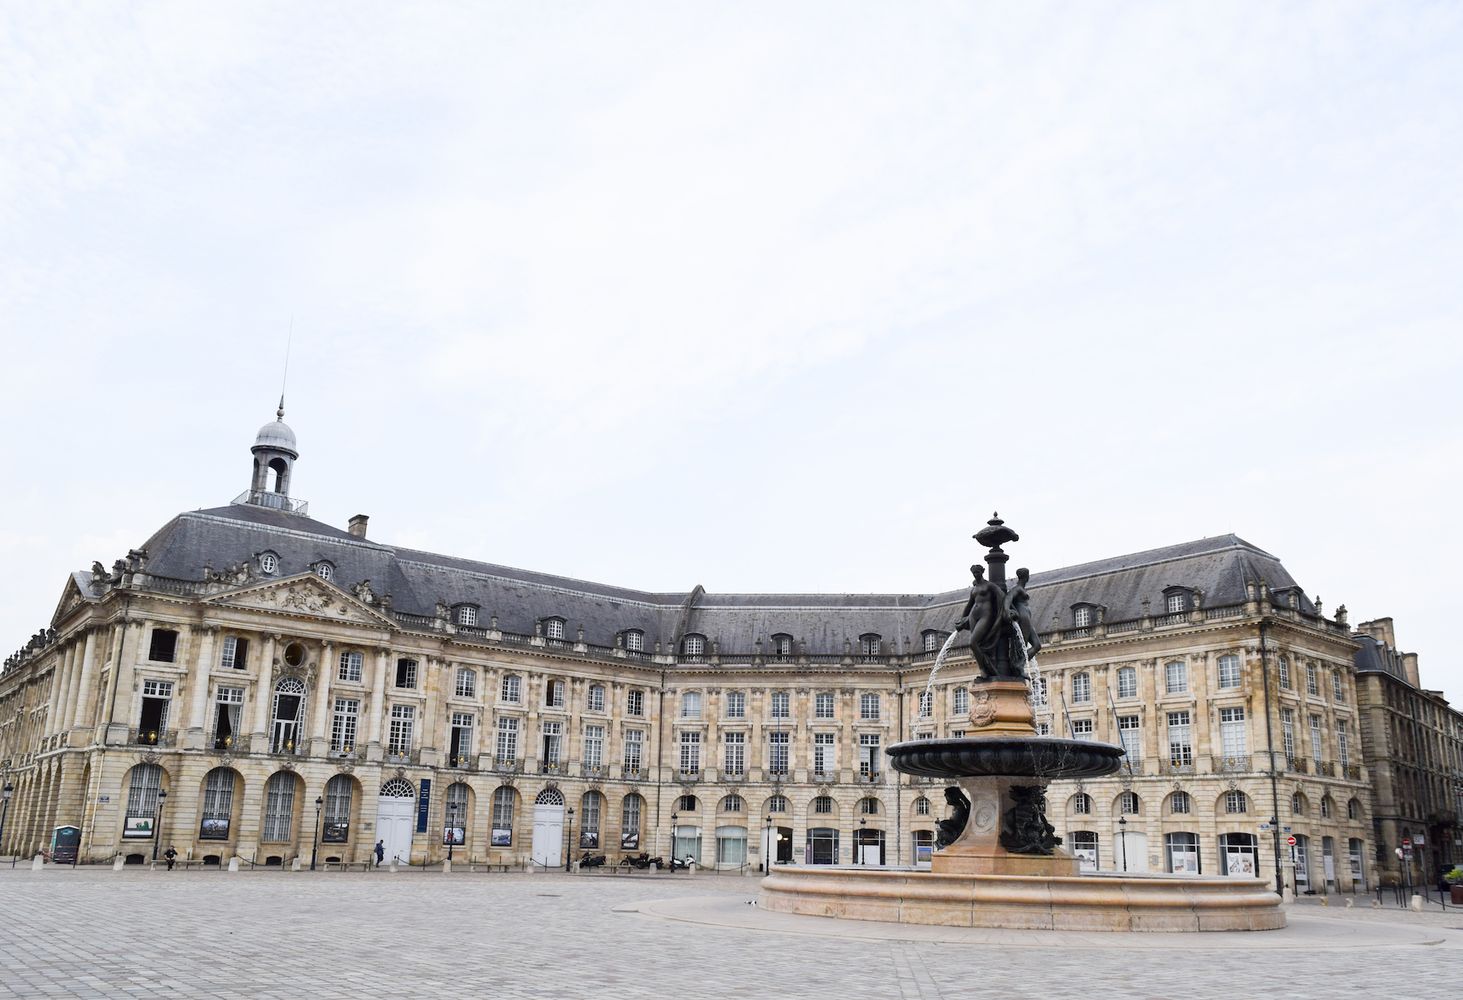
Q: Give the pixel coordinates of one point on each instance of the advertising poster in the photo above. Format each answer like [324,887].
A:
[336,833]
[214,829]
[630,841]
[589,839]
[502,837]
[454,835]
[138,827]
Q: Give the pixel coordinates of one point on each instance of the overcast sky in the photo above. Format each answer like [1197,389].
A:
[775,297]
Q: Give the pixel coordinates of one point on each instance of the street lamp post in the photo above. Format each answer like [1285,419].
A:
[863,825]
[674,818]
[5,794]
[157,823]
[569,858]
[452,828]
[1123,836]
[315,843]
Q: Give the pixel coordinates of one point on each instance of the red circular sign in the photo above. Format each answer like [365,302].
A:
[1290,840]
[1406,841]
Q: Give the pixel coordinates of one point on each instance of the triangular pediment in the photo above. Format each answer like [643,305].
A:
[303,596]
[71,598]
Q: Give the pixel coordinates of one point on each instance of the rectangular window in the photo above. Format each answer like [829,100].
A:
[343,725]
[1176,677]
[1284,674]
[1127,682]
[1287,733]
[156,700]
[926,704]
[459,746]
[594,746]
[1318,748]
[236,652]
[868,707]
[823,753]
[164,645]
[554,694]
[1232,732]
[868,754]
[635,703]
[781,705]
[823,705]
[690,752]
[230,707]
[512,689]
[403,719]
[1338,688]
[777,747]
[1229,671]
[1174,603]
[351,662]
[691,705]
[1082,729]
[1343,743]
[1313,685]
[406,674]
[595,700]
[467,684]
[1081,688]
[736,705]
[507,740]
[554,629]
[553,742]
[734,753]
[634,750]
[1180,742]
[1130,734]
[961,701]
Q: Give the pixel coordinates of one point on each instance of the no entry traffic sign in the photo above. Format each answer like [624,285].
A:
[1290,840]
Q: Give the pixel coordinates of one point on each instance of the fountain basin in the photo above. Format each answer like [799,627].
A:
[1038,757]
[1091,902]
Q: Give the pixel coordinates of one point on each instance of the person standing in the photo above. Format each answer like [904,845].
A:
[380,852]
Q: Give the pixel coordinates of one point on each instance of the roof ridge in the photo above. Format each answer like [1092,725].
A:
[1176,553]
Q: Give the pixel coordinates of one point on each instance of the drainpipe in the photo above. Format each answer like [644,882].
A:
[660,762]
[1270,751]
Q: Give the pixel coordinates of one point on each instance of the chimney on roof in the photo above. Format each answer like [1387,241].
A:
[357,526]
[1409,667]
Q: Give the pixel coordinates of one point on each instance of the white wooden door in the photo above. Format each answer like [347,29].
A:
[394,819]
[548,835]
[1136,845]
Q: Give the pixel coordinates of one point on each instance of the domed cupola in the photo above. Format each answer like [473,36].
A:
[274,457]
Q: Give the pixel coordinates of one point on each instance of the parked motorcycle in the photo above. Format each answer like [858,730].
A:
[587,860]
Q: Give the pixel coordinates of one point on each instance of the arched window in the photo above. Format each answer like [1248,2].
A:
[1327,806]
[777,804]
[823,805]
[456,813]
[687,804]
[693,645]
[279,808]
[732,804]
[591,808]
[632,807]
[268,563]
[1179,804]
[339,791]
[1353,809]
[549,797]
[781,645]
[1236,801]
[1082,804]
[1298,804]
[868,807]
[1081,615]
[921,806]
[1129,804]
[554,629]
[289,708]
[503,817]
[467,683]
[218,804]
[871,644]
[325,571]
[397,788]
[634,640]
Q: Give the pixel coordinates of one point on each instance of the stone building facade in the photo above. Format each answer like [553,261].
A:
[295,687]
[1413,741]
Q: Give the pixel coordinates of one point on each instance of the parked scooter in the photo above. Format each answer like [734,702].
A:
[587,860]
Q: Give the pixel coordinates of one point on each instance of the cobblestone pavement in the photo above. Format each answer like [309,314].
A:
[98,933]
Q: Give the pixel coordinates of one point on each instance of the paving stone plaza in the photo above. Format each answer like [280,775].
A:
[96,933]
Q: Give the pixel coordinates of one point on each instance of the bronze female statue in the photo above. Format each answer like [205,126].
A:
[1018,611]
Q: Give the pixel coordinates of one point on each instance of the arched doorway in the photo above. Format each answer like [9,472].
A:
[395,815]
[548,828]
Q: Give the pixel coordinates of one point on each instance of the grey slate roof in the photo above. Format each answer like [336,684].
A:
[1220,567]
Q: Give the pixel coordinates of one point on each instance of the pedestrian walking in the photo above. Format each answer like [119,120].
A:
[380,852]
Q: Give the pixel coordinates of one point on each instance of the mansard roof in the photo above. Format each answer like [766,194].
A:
[1218,567]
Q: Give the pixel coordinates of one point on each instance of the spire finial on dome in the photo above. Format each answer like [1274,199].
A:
[279,413]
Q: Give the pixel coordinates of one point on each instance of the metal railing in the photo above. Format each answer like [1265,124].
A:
[274,501]
[152,737]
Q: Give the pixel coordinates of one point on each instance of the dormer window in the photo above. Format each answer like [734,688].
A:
[1177,600]
[554,628]
[325,571]
[467,615]
[634,640]
[268,562]
[930,639]
[694,645]
[1082,615]
[782,644]
[871,644]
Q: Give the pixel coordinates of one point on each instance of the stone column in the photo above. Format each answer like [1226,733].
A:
[81,709]
[60,681]
[73,685]
[198,702]
[119,687]
[320,712]
[378,706]
[263,697]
